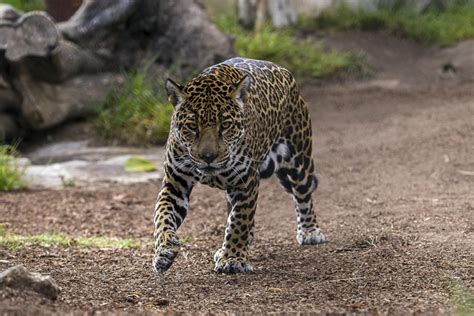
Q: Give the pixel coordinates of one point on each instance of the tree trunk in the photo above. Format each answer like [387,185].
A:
[247,13]
[282,13]
[62,10]
[257,13]
[32,34]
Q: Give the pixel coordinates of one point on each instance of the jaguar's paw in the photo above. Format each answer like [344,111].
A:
[227,264]
[164,259]
[165,255]
[313,237]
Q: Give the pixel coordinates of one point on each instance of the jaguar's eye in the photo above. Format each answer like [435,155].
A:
[226,124]
[192,127]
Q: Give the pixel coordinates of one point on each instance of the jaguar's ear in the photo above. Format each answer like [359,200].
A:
[241,91]
[175,92]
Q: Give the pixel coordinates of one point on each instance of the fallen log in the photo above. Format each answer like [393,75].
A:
[32,34]
[9,128]
[9,100]
[47,104]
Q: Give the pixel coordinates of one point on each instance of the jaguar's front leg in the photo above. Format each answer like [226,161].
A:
[232,257]
[170,211]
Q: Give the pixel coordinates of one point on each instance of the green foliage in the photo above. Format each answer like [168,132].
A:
[106,242]
[431,27]
[304,57]
[185,239]
[139,164]
[26,5]
[16,242]
[462,299]
[135,113]
[10,171]
[67,182]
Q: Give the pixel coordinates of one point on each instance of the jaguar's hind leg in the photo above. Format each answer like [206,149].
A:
[299,180]
[295,170]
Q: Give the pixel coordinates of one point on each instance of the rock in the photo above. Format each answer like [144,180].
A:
[460,58]
[9,128]
[8,13]
[33,34]
[85,173]
[75,163]
[19,278]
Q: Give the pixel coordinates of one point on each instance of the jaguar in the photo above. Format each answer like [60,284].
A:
[234,124]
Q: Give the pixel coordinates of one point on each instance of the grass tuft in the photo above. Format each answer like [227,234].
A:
[3,231]
[462,299]
[26,5]
[303,57]
[14,242]
[10,171]
[106,242]
[432,27]
[139,164]
[135,113]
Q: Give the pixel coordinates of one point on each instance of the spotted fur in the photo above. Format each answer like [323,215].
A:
[236,123]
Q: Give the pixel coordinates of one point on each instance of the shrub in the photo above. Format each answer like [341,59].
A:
[10,171]
[25,5]
[431,27]
[136,113]
[304,57]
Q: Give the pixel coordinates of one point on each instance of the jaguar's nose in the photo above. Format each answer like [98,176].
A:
[208,157]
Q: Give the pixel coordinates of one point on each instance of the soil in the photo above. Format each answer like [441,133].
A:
[395,159]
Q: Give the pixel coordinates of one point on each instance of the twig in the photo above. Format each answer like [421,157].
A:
[465,172]
[348,279]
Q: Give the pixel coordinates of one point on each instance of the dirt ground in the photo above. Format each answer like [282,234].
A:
[395,159]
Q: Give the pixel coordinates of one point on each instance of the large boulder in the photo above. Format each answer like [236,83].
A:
[175,32]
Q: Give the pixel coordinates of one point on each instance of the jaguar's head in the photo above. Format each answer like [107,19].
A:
[208,118]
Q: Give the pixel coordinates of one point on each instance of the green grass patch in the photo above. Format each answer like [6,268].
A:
[135,113]
[432,27]
[106,242]
[11,172]
[139,164]
[462,299]
[25,5]
[305,58]
[185,239]
[16,242]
